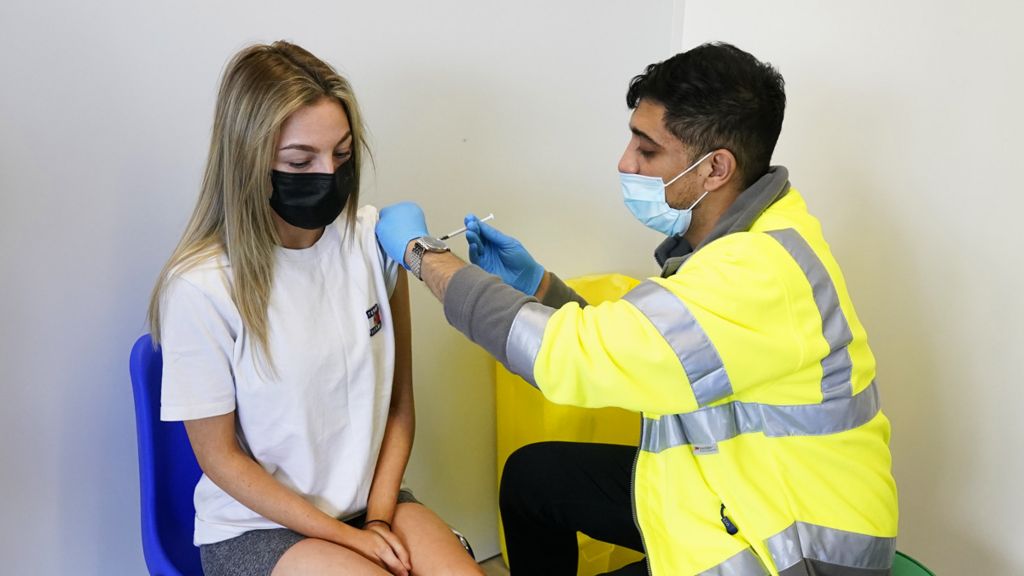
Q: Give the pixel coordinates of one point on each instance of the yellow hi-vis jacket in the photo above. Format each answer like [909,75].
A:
[763,448]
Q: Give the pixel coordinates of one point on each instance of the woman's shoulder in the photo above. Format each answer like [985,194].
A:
[198,290]
[208,273]
[365,226]
[366,223]
[367,215]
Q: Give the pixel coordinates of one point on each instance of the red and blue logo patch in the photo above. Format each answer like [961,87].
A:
[374,318]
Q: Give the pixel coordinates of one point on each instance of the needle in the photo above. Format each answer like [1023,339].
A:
[463,229]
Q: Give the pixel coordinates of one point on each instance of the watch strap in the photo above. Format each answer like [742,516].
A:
[416,260]
[422,245]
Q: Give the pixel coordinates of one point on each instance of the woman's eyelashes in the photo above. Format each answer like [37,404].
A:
[340,157]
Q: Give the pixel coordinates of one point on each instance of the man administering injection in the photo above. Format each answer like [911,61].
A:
[764,449]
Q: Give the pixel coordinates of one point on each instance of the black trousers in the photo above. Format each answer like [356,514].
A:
[551,490]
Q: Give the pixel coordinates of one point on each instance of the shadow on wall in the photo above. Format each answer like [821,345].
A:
[100,484]
[97,446]
[866,206]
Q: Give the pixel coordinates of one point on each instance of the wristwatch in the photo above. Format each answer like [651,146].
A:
[423,245]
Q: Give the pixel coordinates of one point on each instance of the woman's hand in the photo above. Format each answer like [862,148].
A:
[382,547]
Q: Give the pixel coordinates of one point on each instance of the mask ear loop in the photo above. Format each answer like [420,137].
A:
[697,201]
[692,166]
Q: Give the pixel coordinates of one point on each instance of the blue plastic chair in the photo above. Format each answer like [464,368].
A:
[168,473]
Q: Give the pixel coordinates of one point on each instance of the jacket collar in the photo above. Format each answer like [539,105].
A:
[748,207]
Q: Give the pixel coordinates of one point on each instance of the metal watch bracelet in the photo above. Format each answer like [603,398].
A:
[422,245]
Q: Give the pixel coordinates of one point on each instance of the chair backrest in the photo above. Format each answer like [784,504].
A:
[168,473]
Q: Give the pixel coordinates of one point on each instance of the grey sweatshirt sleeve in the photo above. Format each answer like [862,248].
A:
[482,307]
[559,294]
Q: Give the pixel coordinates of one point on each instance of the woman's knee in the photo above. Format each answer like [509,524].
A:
[433,547]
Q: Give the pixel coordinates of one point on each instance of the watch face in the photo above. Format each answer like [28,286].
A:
[433,244]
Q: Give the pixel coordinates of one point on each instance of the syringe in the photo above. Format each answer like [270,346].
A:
[463,229]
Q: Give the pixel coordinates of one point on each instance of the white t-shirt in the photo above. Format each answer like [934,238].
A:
[317,421]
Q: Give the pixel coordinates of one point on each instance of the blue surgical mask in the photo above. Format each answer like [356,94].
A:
[645,198]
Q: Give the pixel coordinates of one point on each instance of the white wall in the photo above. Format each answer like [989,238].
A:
[903,132]
[105,108]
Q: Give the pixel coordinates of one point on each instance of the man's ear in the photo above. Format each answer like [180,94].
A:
[723,170]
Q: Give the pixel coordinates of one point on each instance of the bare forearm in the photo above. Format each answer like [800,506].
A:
[437,270]
[401,424]
[248,483]
[542,288]
[391,463]
[222,459]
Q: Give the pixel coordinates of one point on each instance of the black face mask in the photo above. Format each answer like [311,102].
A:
[312,201]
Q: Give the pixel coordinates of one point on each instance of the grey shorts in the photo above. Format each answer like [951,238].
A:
[256,552]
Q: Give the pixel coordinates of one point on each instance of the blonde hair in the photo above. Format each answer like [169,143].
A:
[262,86]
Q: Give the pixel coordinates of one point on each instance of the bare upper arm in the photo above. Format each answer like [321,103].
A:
[399,304]
[213,439]
[401,314]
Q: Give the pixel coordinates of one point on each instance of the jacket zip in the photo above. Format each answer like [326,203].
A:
[733,529]
[730,528]
[632,492]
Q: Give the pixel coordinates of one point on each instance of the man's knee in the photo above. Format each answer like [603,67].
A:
[527,472]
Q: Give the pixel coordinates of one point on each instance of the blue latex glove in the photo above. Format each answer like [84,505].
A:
[502,255]
[398,224]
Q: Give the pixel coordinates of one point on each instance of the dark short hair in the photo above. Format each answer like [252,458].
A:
[718,96]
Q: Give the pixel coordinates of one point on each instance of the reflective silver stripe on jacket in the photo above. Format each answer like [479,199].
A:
[713,424]
[700,359]
[838,547]
[743,564]
[837,366]
[525,337]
